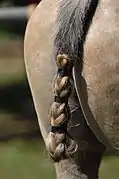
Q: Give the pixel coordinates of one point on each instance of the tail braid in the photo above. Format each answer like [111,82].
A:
[73,21]
[59,144]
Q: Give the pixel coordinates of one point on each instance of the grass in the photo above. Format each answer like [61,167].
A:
[24,160]
[29,160]
[110,168]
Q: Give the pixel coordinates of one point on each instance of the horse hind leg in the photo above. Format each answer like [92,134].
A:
[85,162]
[90,151]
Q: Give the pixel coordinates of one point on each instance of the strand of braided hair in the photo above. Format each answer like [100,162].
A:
[71,27]
[60,144]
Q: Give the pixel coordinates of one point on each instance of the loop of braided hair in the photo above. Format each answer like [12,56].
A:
[59,144]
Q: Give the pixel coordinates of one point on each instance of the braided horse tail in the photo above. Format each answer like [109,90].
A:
[71,27]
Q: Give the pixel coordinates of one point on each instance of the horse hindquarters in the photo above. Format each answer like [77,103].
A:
[40,69]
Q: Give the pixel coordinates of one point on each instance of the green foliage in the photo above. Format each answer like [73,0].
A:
[25,159]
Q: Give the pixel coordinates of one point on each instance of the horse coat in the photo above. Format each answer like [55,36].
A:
[97,85]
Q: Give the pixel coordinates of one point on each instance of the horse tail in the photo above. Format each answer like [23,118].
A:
[72,24]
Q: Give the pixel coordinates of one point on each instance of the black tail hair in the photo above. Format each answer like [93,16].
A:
[72,24]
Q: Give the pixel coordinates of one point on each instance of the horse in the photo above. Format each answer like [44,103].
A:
[74,44]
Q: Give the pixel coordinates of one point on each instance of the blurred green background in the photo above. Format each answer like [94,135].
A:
[22,151]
